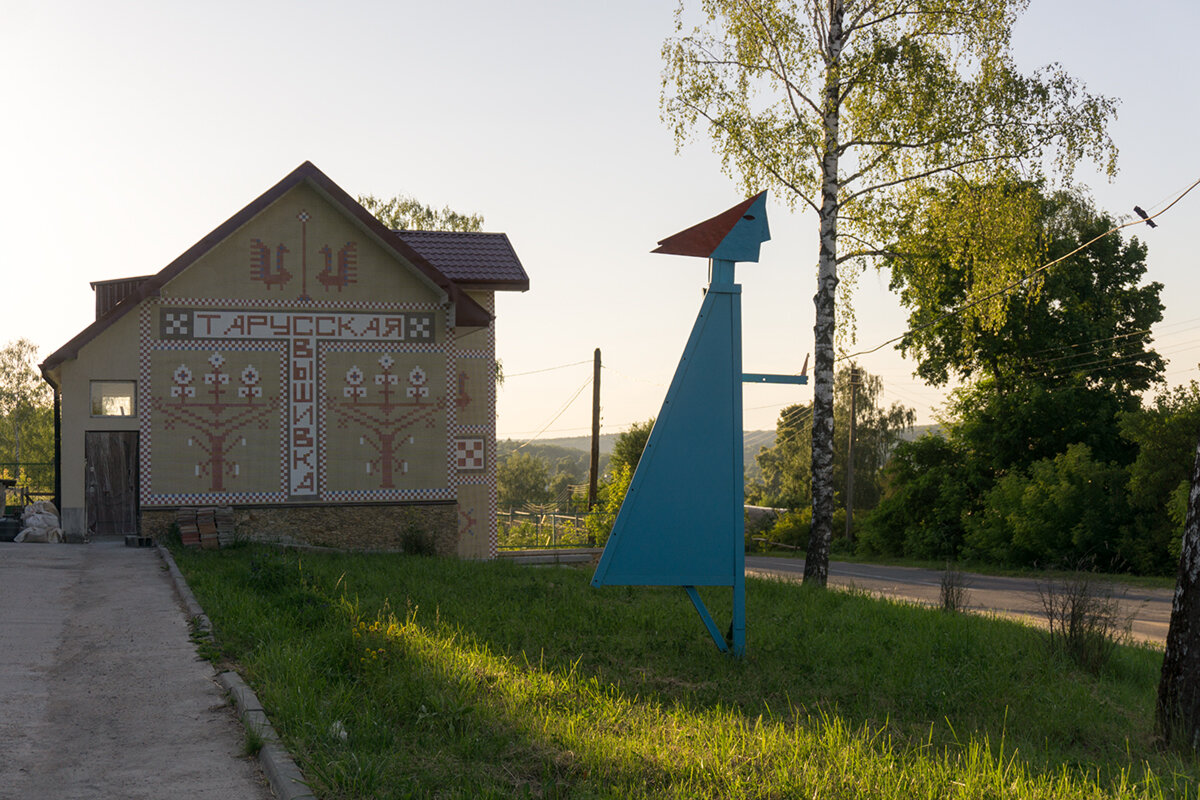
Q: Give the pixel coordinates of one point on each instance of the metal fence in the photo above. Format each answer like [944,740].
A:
[525,530]
[27,481]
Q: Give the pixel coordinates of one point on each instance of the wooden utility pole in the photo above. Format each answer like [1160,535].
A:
[850,457]
[594,471]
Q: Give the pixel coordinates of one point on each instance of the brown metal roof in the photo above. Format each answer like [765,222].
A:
[472,260]
[467,311]
[111,292]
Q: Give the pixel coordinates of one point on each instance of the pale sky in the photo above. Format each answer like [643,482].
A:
[132,129]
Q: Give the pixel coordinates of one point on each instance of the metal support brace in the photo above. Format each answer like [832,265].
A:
[713,631]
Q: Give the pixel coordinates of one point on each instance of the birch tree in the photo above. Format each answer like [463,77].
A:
[1179,686]
[854,108]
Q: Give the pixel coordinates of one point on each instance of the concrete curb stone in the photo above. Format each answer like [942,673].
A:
[195,613]
[286,779]
[284,776]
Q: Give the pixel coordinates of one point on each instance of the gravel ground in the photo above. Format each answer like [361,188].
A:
[102,694]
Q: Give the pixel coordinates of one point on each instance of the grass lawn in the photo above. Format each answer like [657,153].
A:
[401,676]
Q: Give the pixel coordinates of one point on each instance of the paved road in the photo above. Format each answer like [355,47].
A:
[1150,609]
[101,692]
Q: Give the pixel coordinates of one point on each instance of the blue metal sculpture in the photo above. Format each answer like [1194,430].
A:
[682,522]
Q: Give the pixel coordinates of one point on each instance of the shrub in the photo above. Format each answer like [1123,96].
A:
[758,526]
[1084,618]
[1062,510]
[953,589]
[608,503]
[417,542]
[792,528]
[930,486]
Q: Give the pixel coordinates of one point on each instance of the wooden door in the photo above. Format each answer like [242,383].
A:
[112,482]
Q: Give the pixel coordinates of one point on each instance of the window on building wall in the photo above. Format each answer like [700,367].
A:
[112,398]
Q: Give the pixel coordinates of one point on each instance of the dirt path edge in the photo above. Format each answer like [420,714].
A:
[286,779]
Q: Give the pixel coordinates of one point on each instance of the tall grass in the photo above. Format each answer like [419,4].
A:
[394,676]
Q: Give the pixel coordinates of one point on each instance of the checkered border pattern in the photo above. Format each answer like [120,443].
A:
[145,339]
[294,305]
[214,498]
[334,346]
[486,478]
[369,495]
[238,345]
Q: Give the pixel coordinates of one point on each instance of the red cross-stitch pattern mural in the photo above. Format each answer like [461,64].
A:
[341,269]
[385,414]
[216,413]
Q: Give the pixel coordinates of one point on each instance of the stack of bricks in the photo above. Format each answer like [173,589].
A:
[209,528]
[206,522]
[224,519]
[189,532]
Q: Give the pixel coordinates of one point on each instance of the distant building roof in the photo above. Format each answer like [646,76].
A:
[472,260]
[111,292]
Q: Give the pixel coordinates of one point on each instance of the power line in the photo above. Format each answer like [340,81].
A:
[609,368]
[561,411]
[1004,290]
[547,369]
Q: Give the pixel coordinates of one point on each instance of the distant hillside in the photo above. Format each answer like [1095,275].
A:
[551,450]
[570,454]
[558,458]
[920,430]
[583,443]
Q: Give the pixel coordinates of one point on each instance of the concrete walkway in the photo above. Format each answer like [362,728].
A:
[102,694]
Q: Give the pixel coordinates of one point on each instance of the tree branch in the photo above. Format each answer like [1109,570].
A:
[753,154]
[782,72]
[935,171]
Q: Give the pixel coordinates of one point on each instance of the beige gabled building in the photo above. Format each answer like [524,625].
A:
[331,380]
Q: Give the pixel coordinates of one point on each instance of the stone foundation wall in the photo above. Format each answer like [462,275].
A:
[367,527]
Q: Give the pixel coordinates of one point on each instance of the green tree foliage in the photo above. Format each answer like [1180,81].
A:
[565,467]
[522,479]
[852,108]
[1071,353]
[1178,706]
[1051,398]
[1159,478]
[627,450]
[26,416]
[786,466]
[609,497]
[929,485]
[1062,511]
[407,213]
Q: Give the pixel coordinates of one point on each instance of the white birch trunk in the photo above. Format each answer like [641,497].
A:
[816,562]
[1179,686]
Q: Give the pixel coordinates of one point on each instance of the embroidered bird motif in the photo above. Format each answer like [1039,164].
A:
[1138,210]
[464,399]
[347,269]
[260,264]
